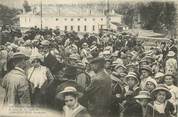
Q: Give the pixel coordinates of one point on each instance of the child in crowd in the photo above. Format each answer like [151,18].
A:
[169,81]
[72,107]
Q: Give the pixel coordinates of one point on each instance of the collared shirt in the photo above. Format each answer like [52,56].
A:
[20,69]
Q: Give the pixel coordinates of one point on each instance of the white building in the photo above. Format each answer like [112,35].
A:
[69,19]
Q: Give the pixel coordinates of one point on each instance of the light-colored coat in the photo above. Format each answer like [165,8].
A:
[16,87]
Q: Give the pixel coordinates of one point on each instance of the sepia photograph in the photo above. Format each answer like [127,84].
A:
[88,58]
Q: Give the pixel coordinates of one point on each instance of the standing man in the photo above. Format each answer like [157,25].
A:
[15,83]
[99,91]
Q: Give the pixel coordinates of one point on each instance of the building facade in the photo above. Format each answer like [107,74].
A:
[88,23]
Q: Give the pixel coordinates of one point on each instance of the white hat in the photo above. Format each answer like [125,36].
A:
[143,95]
[72,90]
[149,79]
[171,54]
[158,75]
[36,56]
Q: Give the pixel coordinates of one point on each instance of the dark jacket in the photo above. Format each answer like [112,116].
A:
[79,111]
[52,63]
[99,94]
[132,109]
[151,112]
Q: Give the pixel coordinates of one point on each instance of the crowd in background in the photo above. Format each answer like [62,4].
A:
[107,74]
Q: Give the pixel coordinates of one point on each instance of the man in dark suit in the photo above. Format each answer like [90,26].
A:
[99,91]
[50,60]
[54,65]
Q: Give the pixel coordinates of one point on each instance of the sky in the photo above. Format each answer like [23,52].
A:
[18,3]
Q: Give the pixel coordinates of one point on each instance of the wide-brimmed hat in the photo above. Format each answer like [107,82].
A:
[133,75]
[143,95]
[80,65]
[120,65]
[98,60]
[143,60]
[170,74]
[161,87]
[149,58]
[74,57]
[36,56]
[147,68]
[84,45]
[171,54]
[45,43]
[106,52]
[115,77]
[71,90]
[158,75]
[150,79]
[19,55]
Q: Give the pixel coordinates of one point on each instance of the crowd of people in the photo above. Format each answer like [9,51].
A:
[110,74]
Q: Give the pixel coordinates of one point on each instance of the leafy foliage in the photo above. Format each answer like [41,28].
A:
[7,15]
[26,6]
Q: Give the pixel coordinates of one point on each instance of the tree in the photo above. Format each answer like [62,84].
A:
[7,15]
[26,6]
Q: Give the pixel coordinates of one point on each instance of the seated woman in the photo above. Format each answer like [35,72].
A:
[72,108]
[160,107]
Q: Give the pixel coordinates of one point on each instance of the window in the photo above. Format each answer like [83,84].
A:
[85,19]
[71,28]
[57,19]
[93,27]
[93,19]
[78,19]
[65,28]
[101,26]
[65,19]
[78,28]
[101,19]
[72,19]
[85,28]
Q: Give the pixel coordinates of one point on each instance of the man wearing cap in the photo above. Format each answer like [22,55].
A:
[16,84]
[99,91]
[50,60]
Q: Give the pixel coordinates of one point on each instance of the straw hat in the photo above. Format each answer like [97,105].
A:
[36,56]
[147,68]
[133,75]
[150,79]
[143,95]
[19,55]
[98,60]
[74,57]
[161,87]
[158,75]
[120,65]
[71,90]
[171,54]
[45,43]
[169,74]
[115,77]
